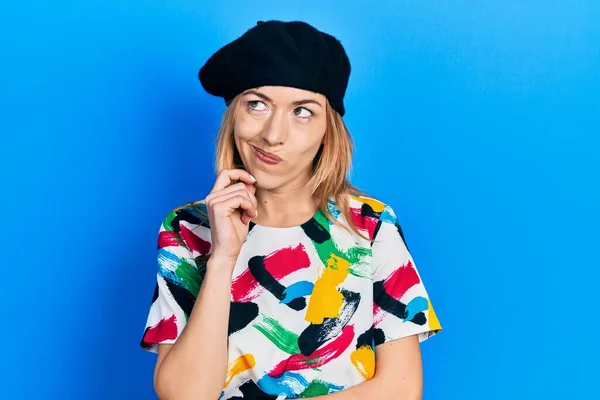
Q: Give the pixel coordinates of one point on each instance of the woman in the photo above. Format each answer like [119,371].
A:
[285,281]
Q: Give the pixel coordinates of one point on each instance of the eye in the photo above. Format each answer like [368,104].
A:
[303,113]
[256,105]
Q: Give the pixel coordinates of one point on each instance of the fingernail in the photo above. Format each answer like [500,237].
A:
[253,178]
[256,213]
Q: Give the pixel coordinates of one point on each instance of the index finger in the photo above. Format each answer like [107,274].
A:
[228,176]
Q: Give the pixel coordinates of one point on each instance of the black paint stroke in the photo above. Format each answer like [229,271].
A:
[388,304]
[251,391]
[182,296]
[257,267]
[316,335]
[240,315]
[316,232]
[184,214]
[371,337]
[155,294]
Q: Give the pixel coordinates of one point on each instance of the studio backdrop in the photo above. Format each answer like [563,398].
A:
[478,122]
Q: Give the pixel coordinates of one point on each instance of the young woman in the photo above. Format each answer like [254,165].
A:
[285,281]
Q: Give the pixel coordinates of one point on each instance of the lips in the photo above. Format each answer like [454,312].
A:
[266,157]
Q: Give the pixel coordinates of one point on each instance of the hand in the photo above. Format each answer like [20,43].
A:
[230,207]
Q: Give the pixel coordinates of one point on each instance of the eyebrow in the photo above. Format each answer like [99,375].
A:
[296,103]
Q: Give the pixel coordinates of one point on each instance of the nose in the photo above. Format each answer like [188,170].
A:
[276,128]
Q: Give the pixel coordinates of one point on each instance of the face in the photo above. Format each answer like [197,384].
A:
[278,131]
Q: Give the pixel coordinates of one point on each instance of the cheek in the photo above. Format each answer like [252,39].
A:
[312,136]
[307,145]
[246,128]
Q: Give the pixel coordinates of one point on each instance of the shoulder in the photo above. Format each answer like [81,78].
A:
[370,213]
[371,207]
[378,218]
[193,213]
[188,226]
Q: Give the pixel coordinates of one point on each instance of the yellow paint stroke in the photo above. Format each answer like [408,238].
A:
[239,365]
[434,323]
[363,359]
[326,301]
[376,205]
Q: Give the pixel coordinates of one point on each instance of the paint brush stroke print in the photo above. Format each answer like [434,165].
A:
[309,303]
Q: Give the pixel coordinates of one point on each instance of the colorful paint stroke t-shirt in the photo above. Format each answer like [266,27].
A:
[309,304]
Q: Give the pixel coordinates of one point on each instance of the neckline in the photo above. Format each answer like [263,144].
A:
[254,225]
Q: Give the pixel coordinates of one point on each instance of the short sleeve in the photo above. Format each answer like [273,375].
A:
[401,304]
[178,280]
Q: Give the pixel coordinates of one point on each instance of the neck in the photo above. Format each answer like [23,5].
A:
[285,206]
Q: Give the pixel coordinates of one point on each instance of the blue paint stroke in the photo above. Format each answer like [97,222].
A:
[289,384]
[166,259]
[333,208]
[387,215]
[415,306]
[296,290]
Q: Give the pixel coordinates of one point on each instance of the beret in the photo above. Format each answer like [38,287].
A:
[277,53]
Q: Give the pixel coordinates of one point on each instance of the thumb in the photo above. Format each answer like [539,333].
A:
[251,187]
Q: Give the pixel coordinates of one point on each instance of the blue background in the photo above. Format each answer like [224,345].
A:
[478,121]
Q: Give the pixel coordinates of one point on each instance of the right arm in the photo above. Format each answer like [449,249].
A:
[195,366]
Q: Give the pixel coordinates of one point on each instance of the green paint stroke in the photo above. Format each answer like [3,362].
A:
[354,255]
[316,388]
[281,337]
[190,277]
[167,221]
[362,270]
[325,249]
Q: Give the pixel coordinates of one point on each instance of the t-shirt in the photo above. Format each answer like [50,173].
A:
[309,303]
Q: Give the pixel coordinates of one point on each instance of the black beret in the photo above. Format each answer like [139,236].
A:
[277,53]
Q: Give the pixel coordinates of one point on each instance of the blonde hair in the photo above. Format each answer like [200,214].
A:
[331,165]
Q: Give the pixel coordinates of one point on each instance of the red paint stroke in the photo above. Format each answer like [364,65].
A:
[168,238]
[363,222]
[319,357]
[166,329]
[400,280]
[242,286]
[396,285]
[283,262]
[377,315]
[195,244]
[278,264]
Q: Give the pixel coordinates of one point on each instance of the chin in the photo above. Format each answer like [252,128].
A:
[267,181]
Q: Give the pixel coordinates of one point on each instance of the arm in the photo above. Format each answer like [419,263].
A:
[196,365]
[192,352]
[398,374]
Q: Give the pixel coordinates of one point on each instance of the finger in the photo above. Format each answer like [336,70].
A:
[245,218]
[229,189]
[254,199]
[251,190]
[253,212]
[227,176]
[227,206]
[235,188]
[221,198]
[251,187]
